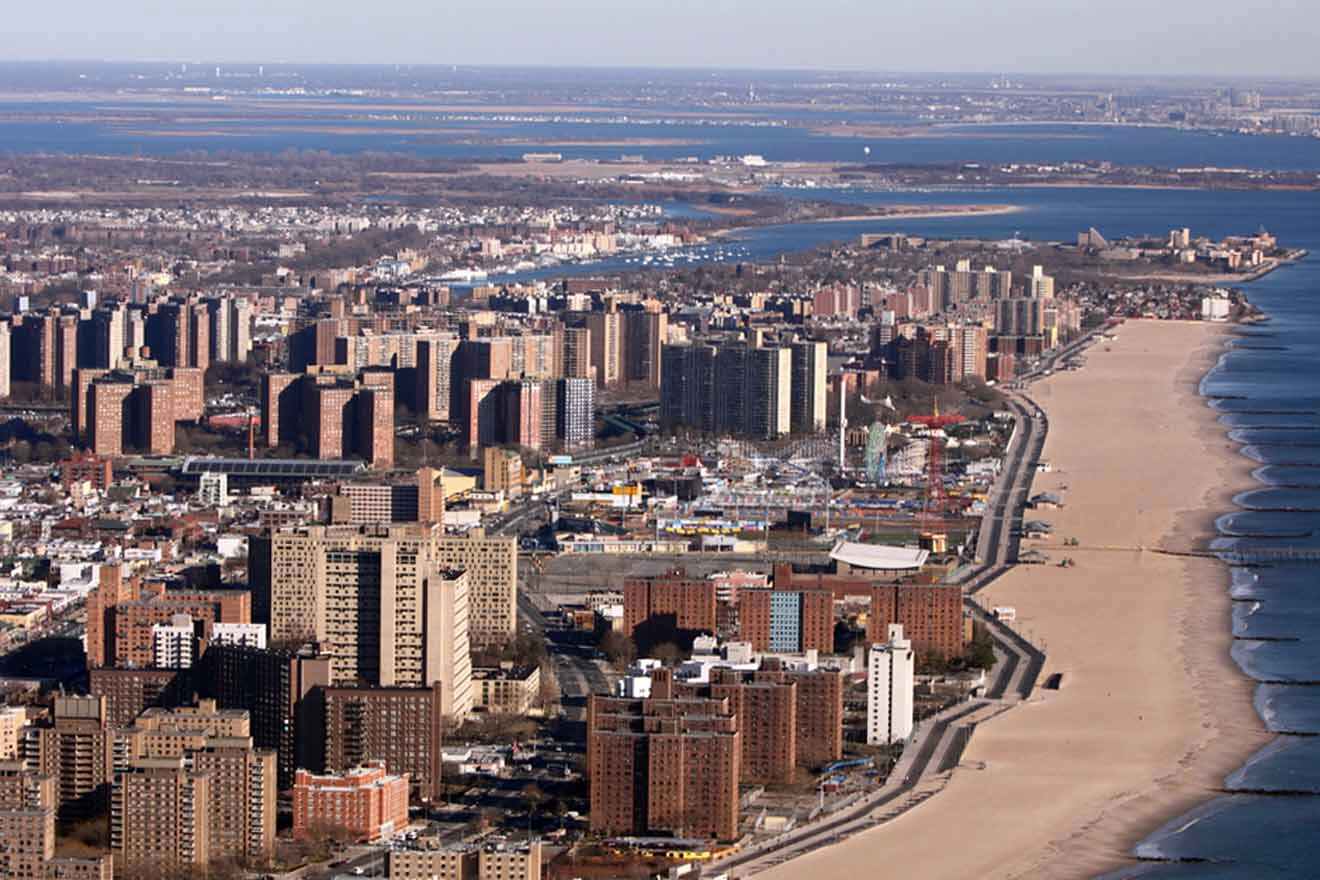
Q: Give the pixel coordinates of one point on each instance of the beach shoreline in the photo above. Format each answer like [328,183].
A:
[1152,713]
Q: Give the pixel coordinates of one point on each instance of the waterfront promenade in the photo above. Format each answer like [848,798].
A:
[1150,713]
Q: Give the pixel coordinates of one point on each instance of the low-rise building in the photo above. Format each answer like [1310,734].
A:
[367,802]
[506,690]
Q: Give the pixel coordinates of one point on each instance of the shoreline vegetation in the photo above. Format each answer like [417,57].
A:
[1151,713]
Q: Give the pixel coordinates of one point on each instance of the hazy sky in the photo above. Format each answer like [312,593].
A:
[1225,37]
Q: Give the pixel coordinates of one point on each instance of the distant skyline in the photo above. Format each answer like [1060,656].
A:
[1272,38]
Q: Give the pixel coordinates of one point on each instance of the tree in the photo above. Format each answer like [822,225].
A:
[617,648]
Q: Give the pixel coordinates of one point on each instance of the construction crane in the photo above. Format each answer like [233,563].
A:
[935,503]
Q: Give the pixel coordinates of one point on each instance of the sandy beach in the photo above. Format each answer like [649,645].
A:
[1152,713]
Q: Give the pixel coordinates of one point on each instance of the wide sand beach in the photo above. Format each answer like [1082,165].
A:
[1152,713]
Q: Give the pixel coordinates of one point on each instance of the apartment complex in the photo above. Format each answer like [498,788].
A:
[399,726]
[293,567]
[495,860]
[133,408]
[160,816]
[736,389]
[931,616]
[665,765]
[274,687]
[672,600]
[76,748]
[786,621]
[330,414]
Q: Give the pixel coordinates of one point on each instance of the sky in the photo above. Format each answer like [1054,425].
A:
[1164,37]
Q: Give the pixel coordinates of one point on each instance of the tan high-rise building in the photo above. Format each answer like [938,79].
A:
[607,346]
[76,747]
[216,741]
[160,816]
[502,471]
[430,496]
[388,603]
[12,721]
[27,822]
[243,796]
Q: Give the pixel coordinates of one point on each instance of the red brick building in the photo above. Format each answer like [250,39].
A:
[790,621]
[666,765]
[931,616]
[366,802]
[691,603]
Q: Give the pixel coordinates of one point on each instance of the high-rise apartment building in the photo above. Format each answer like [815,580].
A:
[274,686]
[1041,286]
[383,601]
[577,353]
[5,353]
[931,616]
[130,692]
[279,408]
[889,681]
[243,797]
[400,726]
[810,368]
[687,389]
[327,415]
[575,413]
[672,600]
[786,621]
[644,336]
[607,341]
[131,637]
[27,822]
[160,816]
[664,765]
[76,748]
[728,389]
[434,362]
[12,721]
[767,386]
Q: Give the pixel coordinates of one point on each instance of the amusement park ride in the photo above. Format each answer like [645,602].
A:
[936,502]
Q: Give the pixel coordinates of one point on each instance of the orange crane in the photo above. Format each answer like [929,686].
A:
[936,501]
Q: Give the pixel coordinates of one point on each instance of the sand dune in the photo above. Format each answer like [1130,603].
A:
[1152,713]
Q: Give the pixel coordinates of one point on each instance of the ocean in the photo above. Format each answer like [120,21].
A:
[165,125]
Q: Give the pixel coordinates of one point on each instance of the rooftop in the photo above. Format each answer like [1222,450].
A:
[879,556]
